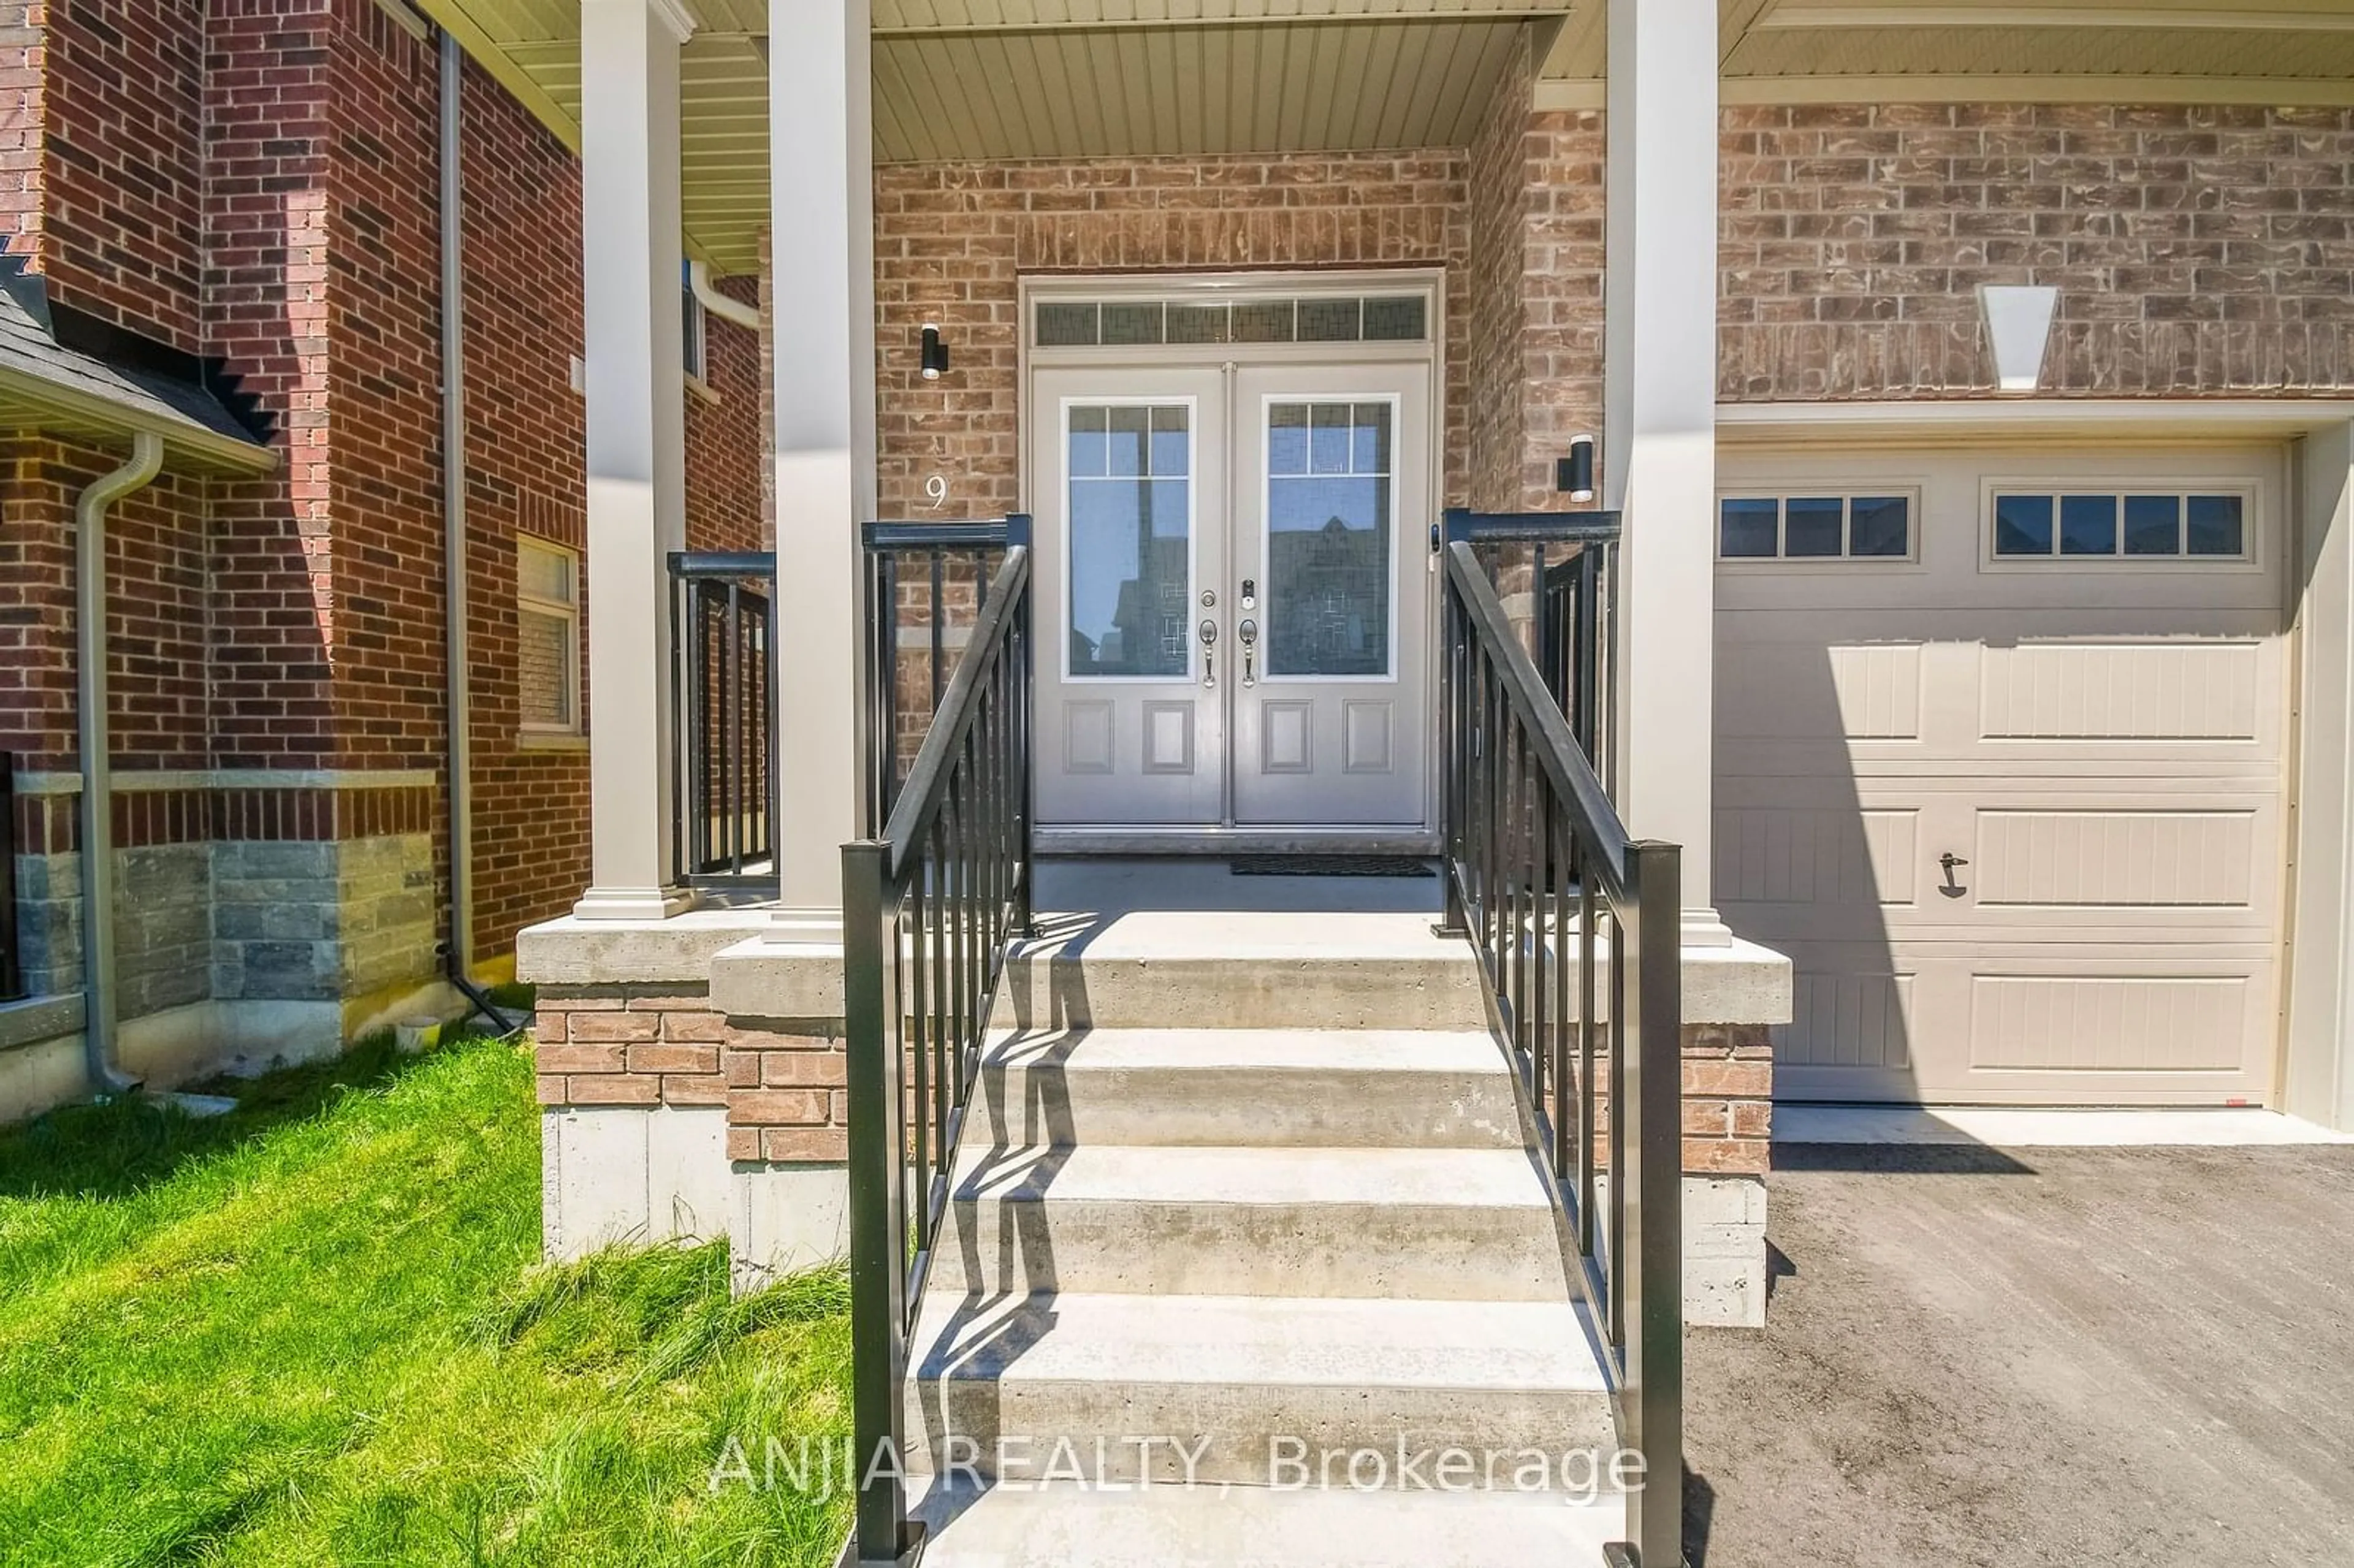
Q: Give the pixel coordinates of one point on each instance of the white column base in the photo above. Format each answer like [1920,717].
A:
[633,903]
[1706,929]
[785,1219]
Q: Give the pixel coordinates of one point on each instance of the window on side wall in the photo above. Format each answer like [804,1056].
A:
[1816,526]
[548,637]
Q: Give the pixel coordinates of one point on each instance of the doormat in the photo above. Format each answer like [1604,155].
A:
[1330,865]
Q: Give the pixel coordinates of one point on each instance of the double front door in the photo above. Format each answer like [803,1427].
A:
[1233,596]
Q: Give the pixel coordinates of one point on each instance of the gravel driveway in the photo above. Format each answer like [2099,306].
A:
[2115,1356]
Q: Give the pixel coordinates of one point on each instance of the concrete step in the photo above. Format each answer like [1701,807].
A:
[1066,1525]
[1438,1223]
[1228,1087]
[1244,969]
[1244,1383]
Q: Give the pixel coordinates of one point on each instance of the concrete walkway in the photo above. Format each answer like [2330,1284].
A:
[2078,1356]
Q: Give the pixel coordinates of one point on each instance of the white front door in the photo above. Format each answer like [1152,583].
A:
[1232,597]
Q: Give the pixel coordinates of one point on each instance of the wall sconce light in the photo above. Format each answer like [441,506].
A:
[936,353]
[1574,474]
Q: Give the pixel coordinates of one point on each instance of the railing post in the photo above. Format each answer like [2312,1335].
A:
[1018,533]
[1650,1187]
[878,1231]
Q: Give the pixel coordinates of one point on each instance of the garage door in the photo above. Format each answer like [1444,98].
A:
[2000,742]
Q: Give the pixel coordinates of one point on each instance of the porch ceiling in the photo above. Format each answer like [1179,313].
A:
[1024,79]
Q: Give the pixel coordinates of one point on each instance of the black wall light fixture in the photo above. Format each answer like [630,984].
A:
[1574,474]
[936,353]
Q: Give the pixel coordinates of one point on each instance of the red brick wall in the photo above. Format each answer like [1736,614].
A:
[952,240]
[156,695]
[283,156]
[384,348]
[724,440]
[2197,251]
[267,102]
[120,232]
[24,58]
[525,473]
[37,600]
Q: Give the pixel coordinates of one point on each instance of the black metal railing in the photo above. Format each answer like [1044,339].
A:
[722,688]
[923,585]
[1569,560]
[11,966]
[930,908]
[1579,930]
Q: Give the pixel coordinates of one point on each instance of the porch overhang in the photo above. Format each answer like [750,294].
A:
[1067,79]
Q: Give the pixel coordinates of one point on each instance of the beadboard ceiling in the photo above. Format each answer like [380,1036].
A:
[1022,78]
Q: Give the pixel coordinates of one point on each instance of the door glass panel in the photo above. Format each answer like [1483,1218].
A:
[1131,520]
[1329,527]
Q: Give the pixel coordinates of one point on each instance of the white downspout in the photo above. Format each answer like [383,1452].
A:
[698,274]
[97,776]
[454,602]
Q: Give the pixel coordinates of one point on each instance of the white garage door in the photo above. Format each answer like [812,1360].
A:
[2067,672]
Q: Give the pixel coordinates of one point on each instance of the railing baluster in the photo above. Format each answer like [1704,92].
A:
[1589,1030]
[1537,856]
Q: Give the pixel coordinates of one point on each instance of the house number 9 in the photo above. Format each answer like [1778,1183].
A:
[936,487]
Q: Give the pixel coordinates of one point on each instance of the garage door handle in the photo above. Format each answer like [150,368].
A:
[1949,861]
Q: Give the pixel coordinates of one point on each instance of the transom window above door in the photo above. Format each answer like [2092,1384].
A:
[1123,323]
[1130,468]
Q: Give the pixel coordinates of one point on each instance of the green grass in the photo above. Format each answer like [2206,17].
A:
[313,1332]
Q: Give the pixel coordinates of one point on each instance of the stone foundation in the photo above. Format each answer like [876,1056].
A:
[254,924]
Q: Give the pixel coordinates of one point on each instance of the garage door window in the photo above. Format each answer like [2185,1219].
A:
[2119,525]
[1815,527]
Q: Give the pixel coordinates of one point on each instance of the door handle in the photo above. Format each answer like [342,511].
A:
[1248,633]
[1209,634]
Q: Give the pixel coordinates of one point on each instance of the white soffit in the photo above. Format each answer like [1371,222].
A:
[2171,51]
[1164,91]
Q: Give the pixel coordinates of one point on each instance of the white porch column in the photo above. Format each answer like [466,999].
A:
[637,442]
[821,131]
[1660,412]
[2318,1080]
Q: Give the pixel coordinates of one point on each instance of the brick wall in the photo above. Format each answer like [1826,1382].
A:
[24,98]
[2197,251]
[121,226]
[384,348]
[952,240]
[258,180]
[525,473]
[725,434]
[267,102]
[783,1087]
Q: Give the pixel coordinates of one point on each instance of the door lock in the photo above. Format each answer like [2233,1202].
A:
[1950,859]
[1250,594]
[1209,634]
[1248,633]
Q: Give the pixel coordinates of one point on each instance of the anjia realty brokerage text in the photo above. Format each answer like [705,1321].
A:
[827,1467]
